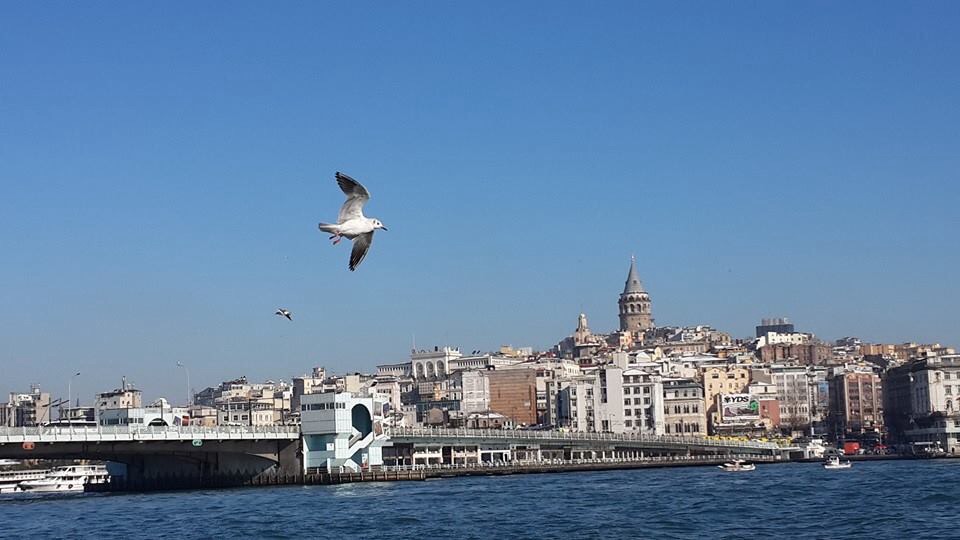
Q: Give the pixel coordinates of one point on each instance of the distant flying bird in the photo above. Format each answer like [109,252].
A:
[284,313]
[351,222]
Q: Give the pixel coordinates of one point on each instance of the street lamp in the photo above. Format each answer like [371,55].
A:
[187,371]
[70,392]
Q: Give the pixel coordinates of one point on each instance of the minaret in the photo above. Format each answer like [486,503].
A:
[635,313]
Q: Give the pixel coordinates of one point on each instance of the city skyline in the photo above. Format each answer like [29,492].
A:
[267,375]
[163,176]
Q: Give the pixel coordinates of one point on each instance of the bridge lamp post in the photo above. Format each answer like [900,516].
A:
[70,392]
[187,371]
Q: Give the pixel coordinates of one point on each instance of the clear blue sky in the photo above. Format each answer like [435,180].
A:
[163,167]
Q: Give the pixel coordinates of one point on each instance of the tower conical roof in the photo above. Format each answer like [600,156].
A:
[633,284]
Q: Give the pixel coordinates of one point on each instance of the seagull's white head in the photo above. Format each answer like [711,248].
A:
[378,225]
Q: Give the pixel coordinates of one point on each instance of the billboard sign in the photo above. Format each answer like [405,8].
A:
[739,407]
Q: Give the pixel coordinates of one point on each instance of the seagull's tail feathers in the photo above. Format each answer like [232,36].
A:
[328,227]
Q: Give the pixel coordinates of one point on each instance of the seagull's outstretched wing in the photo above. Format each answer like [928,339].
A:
[357,196]
[361,245]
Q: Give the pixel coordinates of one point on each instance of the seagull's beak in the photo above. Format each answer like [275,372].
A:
[382,227]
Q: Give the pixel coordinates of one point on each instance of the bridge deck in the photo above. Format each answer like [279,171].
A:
[471,436]
[145,433]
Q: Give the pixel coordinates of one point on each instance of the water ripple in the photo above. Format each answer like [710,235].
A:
[894,499]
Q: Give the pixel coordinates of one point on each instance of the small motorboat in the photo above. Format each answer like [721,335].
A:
[833,462]
[737,465]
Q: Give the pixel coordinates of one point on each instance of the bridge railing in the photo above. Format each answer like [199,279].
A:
[136,432]
[549,435]
[533,463]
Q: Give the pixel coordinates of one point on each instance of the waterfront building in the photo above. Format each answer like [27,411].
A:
[922,402]
[121,398]
[472,389]
[802,393]
[636,313]
[488,420]
[856,402]
[439,413]
[77,414]
[550,369]
[158,413]
[642,400]
[307,384]
[609,399]
[769,406]
[570,403]
[125,397]
[240,411]
[202,415]
[684,408]
[389,392]
[340,432]
[513,393]
[722,379]
[240,402]
[26,409]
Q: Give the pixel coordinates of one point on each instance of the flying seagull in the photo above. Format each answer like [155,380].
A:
[351,223]
[284,313]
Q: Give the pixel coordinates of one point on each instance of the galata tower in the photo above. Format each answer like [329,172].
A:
[635,313]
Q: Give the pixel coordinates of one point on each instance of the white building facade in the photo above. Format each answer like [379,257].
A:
[340,433]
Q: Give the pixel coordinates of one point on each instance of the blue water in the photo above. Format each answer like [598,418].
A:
[891,499]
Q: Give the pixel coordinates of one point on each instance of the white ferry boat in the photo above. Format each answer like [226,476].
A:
[737,465]
[68,478]
[10,480]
